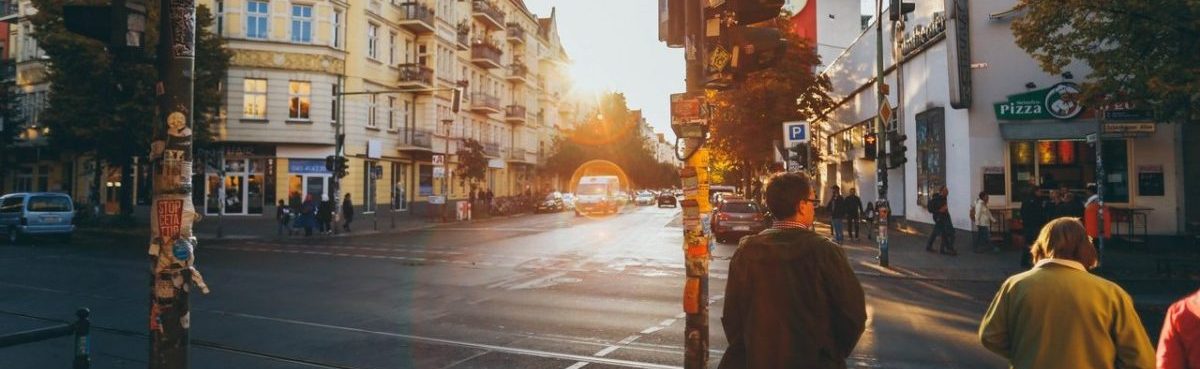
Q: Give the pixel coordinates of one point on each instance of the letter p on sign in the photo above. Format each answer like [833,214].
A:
[795,132]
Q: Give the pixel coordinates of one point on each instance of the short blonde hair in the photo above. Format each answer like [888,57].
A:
[1065,238]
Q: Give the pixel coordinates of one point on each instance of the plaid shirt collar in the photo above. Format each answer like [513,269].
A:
[788,224]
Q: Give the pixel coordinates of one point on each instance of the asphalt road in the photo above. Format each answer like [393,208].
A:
[539,291]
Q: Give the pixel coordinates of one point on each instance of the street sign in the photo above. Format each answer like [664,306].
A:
[439,172]
[795,132]
[437,200]
[1091,138]
[1130,128]
[439,159]
[885,112]
[684,109]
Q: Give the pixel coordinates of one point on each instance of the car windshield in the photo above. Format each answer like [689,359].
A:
[739,207]
[592,189]
[49,203]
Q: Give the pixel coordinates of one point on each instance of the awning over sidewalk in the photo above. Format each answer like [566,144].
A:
[1046,130]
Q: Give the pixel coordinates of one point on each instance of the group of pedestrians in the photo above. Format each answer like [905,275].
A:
[792,301]
[312,215]
[845,213]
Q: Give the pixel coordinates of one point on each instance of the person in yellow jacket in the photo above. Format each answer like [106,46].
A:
[1057,315]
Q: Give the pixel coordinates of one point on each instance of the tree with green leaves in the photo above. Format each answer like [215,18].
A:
[97,100]
[1143,52]
[748,118]
[472,163]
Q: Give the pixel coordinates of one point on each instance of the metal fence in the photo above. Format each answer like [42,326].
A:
[81,329]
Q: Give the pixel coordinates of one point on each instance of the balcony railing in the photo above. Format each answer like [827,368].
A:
[464,36]
[415,75]
[417,17]
[516,154]
[515,113]
[518,72]
[420,140]
[485,103]
[516,33]
[485,54]
[488,13]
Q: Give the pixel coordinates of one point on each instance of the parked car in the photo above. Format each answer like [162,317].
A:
[36,213]
[644,198]
[666,198]
[553,203]
[737,217]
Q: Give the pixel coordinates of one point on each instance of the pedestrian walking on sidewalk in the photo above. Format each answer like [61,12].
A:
[792,300]
[308,211]
[837,213]
[853,207]
[982,216]
[325,215]
[1057,315]
[941,223]
[283,216]
[347,212]
[1033,217]
[1179,343]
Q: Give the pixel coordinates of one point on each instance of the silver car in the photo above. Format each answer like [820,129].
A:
[36,213]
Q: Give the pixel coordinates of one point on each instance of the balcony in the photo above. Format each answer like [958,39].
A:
[518,73]
[515,114]
[488,13]
[463,37]
[9,9]
[485,54]
[521,156]
[417,141]
[415,76]
[516,33]
[491,149]
[485,103]
[417,17]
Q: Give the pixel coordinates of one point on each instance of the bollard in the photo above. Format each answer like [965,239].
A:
[83,344]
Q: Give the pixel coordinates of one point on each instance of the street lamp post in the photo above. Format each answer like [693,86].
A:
[881,204]
[445,177]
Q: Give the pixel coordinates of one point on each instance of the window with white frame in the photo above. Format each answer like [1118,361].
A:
[302,23]
[254,105]
[371,123]
[404,114]
[257,13]
[336,37]
[372,41]
[391,113]
[392,48]
[299,99]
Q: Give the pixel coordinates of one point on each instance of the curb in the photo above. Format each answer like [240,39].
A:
[210,237]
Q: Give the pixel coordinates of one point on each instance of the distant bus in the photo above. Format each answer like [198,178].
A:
[597,194]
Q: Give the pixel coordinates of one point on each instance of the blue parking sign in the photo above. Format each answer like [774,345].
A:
[795,132]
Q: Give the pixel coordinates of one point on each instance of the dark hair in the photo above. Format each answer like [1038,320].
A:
[784,191]
[1091,188]
[982,195]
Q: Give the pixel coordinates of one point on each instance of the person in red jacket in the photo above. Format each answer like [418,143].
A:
[1179,343]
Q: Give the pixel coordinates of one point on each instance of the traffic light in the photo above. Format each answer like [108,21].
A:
[870,148]
[897,9]
[331,163]
[120,26]
[343,167]
[896,149]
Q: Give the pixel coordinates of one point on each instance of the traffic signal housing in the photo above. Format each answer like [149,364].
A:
[331,163]
[121,26]
[897,9]
[896,149]
[733,48]
[343,167]
[870,146]
[754,11]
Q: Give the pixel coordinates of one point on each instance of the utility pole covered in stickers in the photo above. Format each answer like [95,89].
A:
[172,244]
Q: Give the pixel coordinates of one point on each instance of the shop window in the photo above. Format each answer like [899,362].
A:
[369,187]
[931,153]
[425,178]
[1068,164]
[399,191]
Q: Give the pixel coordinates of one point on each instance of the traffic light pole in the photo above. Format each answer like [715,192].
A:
[172,243]
[882,208]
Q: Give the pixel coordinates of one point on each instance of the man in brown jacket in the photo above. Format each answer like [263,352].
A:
[792,300]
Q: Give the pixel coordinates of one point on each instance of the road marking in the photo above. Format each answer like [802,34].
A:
[652,329]
[578,365]
[667,323]
[471,345]
[537,281]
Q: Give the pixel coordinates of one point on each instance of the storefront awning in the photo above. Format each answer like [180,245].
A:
[1047,130]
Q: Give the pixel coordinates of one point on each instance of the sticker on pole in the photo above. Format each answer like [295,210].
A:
[795,132]
[169,218]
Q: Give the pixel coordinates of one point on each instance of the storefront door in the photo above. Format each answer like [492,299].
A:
[300,186]
[240,191]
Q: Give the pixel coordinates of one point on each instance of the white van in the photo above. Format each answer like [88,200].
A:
[597,194]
